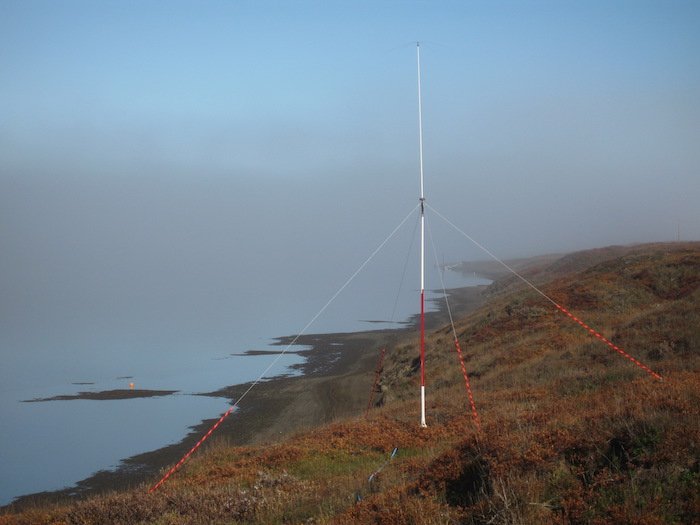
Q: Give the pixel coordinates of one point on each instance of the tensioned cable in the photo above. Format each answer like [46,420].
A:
[456,339]
[442,280]
[279,356]
[393,314]
[560,308]
[493,256]
[405,266]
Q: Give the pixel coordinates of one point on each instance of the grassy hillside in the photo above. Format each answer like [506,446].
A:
[572,432]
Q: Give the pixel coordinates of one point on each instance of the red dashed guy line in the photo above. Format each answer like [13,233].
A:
[466,382]
[376,380]
[192,450]
[607,342]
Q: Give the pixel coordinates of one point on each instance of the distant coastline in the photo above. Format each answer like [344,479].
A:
[333,382]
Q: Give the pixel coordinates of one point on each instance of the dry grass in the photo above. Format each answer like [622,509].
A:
[572,432]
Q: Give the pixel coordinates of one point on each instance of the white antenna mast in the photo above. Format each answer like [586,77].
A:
[422,249]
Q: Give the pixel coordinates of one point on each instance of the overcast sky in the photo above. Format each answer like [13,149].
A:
[146,141]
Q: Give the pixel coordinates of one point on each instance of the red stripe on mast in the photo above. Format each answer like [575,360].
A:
[422,338]
[422,244]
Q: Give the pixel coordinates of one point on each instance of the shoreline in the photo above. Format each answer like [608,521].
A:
[332,383]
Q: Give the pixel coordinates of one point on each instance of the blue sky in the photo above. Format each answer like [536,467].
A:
[162,129]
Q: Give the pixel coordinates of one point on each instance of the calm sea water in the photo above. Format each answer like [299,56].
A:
[51,445]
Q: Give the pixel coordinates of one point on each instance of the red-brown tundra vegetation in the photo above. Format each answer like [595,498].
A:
[572,432]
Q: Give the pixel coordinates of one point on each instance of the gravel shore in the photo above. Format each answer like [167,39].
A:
[333,383]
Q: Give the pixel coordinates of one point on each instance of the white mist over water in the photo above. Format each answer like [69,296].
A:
[164,281]
[208,183]
[50,445]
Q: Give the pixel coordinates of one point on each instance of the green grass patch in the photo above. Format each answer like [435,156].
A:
[320,466]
